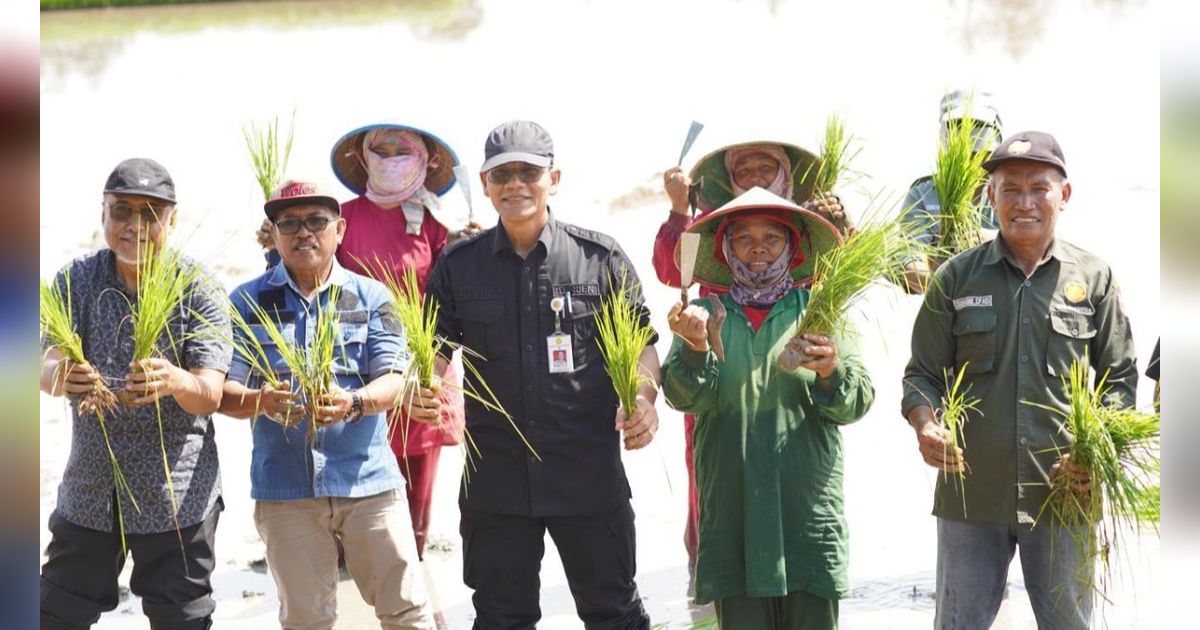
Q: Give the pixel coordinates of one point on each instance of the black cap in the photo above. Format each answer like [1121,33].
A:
[1033,146]
[141,176]
[518,141]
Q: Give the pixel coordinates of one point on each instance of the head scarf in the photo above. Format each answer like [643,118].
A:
[394,179]
[399,179]
[759,289]
[781,185]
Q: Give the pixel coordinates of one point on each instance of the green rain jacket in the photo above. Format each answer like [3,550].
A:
[768,457]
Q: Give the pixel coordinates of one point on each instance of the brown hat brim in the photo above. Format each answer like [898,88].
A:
[347,163]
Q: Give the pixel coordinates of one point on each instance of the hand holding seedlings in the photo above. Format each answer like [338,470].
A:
[153,379]
[690,323]
[333,406]
[280,404]
[425,403]
[822,353]
[933,440]
[677,184]
[827,205]
[265,239]
[71,378]
[1079,477]
[638,430]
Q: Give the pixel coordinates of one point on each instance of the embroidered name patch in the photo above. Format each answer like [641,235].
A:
[1072,308]
[577,289]
[973,301]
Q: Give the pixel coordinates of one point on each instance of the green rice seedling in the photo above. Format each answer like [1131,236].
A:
[419,315]
[311,367]
[836,156]
[877,251]
[957,179]
[957,404]
[164,284]
[268,157]
[58,331]
[1119,449]
[623,337]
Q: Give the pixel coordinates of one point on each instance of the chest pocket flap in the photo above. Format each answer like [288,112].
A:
[481,326]
[974,332]
[1069,340]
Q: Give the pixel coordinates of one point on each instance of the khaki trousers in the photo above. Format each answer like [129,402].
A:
[376,534]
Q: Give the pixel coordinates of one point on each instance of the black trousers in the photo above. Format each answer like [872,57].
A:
[502,557]
[79,579]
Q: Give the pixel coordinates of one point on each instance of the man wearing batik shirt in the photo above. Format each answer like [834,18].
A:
[169,525]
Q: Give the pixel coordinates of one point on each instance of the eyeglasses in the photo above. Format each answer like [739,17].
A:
[149,213]
[314,224]
[527,174]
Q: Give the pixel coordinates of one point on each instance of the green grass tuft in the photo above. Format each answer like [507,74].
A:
[623,337]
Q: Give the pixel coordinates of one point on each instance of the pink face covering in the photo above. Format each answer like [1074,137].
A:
[392,180]
[781,185]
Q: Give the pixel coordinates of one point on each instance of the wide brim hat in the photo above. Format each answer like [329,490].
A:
[349,169]
[716,183]
[816,236]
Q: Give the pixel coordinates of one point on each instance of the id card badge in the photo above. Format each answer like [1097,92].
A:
[560,354]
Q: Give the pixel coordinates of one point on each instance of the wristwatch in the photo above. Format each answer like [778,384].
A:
[356,408]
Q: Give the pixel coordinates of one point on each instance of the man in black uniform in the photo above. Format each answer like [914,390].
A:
[524,296]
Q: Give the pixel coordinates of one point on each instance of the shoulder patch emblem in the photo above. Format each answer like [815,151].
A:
[1074,292]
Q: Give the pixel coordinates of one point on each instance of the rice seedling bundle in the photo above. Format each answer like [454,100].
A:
[419,315]
[956,405]
[957,178]
[164,284]
[876,251]
[268,157]
[58,330]
[1119,449]
[836,156]
[623,337]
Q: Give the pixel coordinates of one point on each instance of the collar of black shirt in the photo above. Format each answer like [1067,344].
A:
[501,243]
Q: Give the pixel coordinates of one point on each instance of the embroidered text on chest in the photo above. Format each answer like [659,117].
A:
[973,301]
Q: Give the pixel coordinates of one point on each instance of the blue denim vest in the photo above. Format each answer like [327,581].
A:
[345,460]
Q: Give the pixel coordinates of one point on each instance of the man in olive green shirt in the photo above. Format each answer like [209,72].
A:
[1012,315]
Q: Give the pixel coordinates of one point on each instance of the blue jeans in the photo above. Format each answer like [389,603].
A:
[972,569]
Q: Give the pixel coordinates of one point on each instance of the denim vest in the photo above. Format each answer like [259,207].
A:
[345,460]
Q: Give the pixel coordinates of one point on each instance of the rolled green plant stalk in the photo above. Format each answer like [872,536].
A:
[957,177]
[1119,449]
[955,408]
[58,331]
[878,250]
[268,156]
[623,337]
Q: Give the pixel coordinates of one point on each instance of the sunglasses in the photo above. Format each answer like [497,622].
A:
[527,174]
[149,213]
[314,224]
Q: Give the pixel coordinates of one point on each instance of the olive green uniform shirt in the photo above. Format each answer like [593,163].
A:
[1015,337]
[768,457]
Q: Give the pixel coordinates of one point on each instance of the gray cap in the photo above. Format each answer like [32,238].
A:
[978,106]
[141,176]
[518,141]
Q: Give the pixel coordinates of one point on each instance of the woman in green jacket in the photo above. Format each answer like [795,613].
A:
[773,540]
